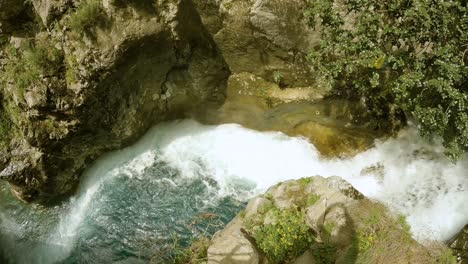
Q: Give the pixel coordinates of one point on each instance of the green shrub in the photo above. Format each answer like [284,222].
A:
[196,253]
[401,59]
[312,199]
[85,17]
[285,238]
[447,257]
[5,126]
[27,64]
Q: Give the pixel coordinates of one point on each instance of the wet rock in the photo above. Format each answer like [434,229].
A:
[459,245]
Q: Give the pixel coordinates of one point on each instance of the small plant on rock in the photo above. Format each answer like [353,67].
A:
[283,239]
[85,16]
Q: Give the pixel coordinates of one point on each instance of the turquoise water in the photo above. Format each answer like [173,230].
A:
[133,216]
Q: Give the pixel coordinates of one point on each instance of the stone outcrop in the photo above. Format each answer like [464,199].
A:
[140,64]
[269,39]
[345,226]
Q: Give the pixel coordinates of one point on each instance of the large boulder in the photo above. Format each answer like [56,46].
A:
[318,220]
[269,39]
[110,81]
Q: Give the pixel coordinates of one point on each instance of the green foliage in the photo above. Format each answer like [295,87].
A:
[404,224]
[303,182]
[27,64]
[86,16]
[278,78]
[401,59]
[5,126]
[312,199]
[324,253]
[196,253]
[447,257]
[328,227]
[3,40]
[285,238]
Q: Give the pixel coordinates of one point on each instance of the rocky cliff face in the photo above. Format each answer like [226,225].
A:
[85,77]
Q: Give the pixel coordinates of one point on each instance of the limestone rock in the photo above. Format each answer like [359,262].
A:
[257,205]
[306,258]
[230,246]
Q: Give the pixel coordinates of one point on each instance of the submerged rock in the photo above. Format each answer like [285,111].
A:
[318,220]
[100,85]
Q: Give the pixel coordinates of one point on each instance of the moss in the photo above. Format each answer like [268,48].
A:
[265,207]
[196,253]
[447,257]
[5,127]
[304,182]
[324,253]
[268,196]
[71,72]
[404,224]
[312,199]
[85,16]
[26,64]
[242,214]
[328,227]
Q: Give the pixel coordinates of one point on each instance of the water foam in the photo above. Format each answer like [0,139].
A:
[409,175]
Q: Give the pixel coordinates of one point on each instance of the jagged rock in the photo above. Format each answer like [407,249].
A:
[140,65]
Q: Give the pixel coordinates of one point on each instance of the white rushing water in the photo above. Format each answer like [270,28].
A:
[409,175]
